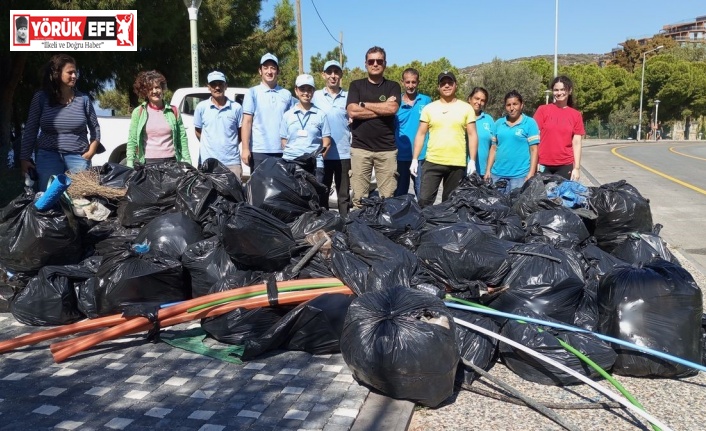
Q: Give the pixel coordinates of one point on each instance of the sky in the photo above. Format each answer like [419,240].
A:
[469,32]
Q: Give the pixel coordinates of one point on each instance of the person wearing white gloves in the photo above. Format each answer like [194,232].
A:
[450,123]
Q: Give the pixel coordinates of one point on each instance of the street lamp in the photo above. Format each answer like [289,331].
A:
[556,39]
[642,89]
[656,120]
[193,7]
[546,96]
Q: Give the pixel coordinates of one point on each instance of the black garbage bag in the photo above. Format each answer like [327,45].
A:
[391,217]
[316,267]
[656,305]
[31,239]
[448,213]
[474,348]
[703,339]
[543,339]
[544,278]
[594,257]
[402,343]
[151,192]
[464,258]
[108,228]
[206,262]
[115,175]
[241,325]
[311,221]
[128,277]
[532,197]
[643,247]
[86,290]
[198,190]
[255,239]
[314,327]
[621,210]
[170,234]
[49,298]
[562,226]
[474,188]
[365,260]
[238,278]
[284,189]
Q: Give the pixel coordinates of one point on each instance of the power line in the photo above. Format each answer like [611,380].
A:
[322,21]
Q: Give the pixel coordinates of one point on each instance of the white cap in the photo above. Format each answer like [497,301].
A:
[332,63]
[304,79]
[269,57]
[216,76]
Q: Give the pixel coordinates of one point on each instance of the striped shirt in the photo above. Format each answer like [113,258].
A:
[60,128]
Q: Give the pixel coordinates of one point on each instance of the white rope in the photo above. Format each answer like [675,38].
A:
[607,392]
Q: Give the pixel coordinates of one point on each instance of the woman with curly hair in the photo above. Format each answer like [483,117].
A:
[63,114]
[157,133]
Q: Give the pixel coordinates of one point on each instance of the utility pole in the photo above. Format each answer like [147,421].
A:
[340,48]
[300,43]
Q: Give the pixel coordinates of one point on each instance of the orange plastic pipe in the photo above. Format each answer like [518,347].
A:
[142,324]
[107,321]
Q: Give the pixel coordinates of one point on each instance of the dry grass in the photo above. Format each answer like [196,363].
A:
[87,183]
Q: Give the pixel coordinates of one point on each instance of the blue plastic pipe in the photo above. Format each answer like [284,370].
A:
[54,191]
[577,329]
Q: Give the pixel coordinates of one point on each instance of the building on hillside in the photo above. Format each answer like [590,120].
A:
[687,32]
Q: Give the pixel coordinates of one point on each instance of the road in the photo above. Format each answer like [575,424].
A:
[671,174]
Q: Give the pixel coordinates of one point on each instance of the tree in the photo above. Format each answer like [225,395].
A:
[630,57]
[499,77]
[621,120]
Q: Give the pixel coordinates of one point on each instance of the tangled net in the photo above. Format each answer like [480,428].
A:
[87,183]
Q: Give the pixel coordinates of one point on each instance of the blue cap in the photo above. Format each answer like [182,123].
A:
[216,76]
[303,80]
[269,57]
[332,63]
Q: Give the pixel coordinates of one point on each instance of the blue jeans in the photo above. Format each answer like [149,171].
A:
[512,183]
[403,177]
[54,163]
[418,179]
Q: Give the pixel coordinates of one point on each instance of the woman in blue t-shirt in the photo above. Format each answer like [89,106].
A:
[477,98]
[513,153]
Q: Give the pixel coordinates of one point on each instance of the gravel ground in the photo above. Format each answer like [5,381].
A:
[681,403]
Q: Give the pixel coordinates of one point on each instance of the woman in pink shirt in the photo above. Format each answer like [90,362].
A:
[561,131]
[157,133]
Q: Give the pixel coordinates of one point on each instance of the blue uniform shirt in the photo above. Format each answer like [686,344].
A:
[335,109]
[484,128]
[512,156]
[303,131]
[267,106]
[407,122]
[219,131]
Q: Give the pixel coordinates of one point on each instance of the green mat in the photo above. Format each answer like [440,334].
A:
[192,340]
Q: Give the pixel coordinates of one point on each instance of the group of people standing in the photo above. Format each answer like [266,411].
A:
[403,136]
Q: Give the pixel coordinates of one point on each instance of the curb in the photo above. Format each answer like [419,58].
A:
[380,412]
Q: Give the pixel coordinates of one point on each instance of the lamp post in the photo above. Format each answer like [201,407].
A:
[642,89]
[546,96]
[556,38]
[193,8]
[656,120]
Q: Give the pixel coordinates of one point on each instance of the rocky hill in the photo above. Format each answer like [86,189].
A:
[564,60]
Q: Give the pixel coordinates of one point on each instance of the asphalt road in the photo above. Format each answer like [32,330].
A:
[671,174]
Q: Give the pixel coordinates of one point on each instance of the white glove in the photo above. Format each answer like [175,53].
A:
[470,168]
[413,167]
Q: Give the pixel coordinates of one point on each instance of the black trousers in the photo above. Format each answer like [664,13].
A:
[338,171]
[562,170]
[433,175]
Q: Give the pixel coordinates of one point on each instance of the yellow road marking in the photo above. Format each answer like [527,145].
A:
[656,172]
[672,149]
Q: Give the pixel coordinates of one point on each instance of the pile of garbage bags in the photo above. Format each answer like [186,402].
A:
[555,250]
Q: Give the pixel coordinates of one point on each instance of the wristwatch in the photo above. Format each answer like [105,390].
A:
[361,104]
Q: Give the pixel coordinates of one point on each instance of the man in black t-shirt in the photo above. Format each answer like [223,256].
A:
[372,104]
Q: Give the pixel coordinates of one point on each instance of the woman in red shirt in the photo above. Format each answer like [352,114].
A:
[561,131]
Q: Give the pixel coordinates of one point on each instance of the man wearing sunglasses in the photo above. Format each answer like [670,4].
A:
[372,104]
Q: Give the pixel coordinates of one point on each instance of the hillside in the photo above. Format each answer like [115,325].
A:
[564,60]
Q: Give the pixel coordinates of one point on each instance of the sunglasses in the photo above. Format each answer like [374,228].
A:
[378,61]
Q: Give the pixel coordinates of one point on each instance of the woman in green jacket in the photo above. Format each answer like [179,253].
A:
[157,133]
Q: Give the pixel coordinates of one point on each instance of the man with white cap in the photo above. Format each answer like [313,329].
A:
[263,108]
[337,163]
[304,128]
[217,122]
[21,26]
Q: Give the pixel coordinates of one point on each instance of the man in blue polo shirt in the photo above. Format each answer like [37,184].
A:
[337,162]
[407,124]
[217,124]
[263,108]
